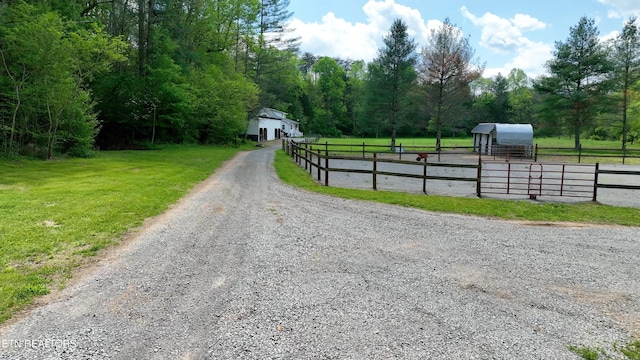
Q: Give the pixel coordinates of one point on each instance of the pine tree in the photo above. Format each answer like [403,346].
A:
[627,57]
[580,79]
[391,76]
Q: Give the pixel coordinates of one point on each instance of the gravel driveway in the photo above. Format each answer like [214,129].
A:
[246,267]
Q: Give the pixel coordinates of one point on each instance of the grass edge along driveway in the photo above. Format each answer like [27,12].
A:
[56,215]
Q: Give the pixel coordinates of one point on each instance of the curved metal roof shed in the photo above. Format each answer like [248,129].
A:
[495,139]
[514,134]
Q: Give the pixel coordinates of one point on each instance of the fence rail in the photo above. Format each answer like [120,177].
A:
[505,177]
[304,154]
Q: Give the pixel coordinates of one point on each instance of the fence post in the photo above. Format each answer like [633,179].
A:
[326,167]
[595,183]
[306,156]
[363,149]
[424,174]
[375,169]
[479,177]
[311,161]
[400,152]
[535,156]
[624,154]
[319,163]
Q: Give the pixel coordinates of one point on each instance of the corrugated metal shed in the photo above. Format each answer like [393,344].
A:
[514,134]
[492,138]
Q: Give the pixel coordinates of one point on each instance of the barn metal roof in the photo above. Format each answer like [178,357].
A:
[507,134]
[272,114]
[483,128]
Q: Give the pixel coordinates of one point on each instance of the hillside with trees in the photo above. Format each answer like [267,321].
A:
[126,74]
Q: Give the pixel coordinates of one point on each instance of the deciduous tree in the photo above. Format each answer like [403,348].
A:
[446,72]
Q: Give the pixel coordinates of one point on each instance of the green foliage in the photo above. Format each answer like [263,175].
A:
[576,91]
[630,351]
[586,353]
[627,67]
[391,77]
[446,75]
[222,100]
[331,87]
[48,64]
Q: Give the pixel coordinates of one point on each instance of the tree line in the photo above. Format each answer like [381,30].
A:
[113,74]
[592,88]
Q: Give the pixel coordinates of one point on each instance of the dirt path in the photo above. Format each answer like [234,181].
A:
[246,267]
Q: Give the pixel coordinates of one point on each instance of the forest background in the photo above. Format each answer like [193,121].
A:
[77,76]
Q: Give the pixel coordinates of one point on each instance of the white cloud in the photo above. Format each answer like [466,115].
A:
[530,58]
[505,36]
[527,22]
[336,37]
[622,8]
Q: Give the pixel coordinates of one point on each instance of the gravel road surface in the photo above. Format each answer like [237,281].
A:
[248,268]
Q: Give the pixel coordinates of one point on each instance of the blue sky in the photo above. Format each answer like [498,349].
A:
[505,34]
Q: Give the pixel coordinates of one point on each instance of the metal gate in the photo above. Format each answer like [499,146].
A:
[535,179]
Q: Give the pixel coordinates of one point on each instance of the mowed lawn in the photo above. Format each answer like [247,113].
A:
[54,214]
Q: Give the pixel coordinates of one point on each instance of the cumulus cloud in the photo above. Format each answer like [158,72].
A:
[622,8]
[531,58]
[337,37]
[505,36]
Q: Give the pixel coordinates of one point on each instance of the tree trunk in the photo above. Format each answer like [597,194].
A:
[625,105]
[141,38]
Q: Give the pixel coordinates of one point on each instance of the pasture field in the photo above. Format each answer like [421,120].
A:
[560,142]
[552,149]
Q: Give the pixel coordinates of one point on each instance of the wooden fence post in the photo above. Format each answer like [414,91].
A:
[306,156]
[479,177]
[375,169]
[326,166]
[424,174]
[595,183]
[319,163]
[363,146]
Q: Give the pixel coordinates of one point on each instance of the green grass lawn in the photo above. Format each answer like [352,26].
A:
[57,213]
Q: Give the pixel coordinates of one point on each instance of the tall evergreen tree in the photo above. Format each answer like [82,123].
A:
[627,58]
[447,71]
[391,76]
[580,79]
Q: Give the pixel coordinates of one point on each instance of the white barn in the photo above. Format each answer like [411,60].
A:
[496,139]
[272,124]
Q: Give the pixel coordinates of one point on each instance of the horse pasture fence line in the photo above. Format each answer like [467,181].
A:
[492,175]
